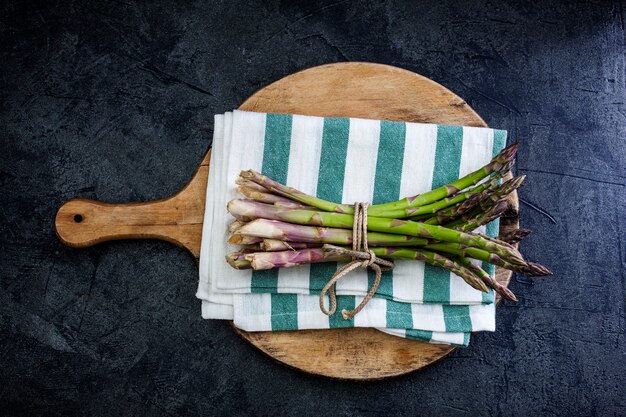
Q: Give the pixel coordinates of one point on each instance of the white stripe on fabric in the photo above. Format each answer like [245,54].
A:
[483,317]
[417,173]
[309,315]
[246,152]
[304,164]
[419,159]
[253,312]
[475,153]
[428,317]
[216,311]
[358,184]
[408,280]
[219,216]
[217,143]
[373,314]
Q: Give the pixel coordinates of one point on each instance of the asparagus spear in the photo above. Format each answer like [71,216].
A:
[275,245]
[499,162]
[274,229]
[239,239]
[436,259]
[246,209]
[235,225]
[493,239]
[289,258]
[238,261]
[528,268]
[480,217]
[483,199]
[247,183]
[487,279]
[286,259]
[264,197]
[515,235]
[424,212]
[298,236]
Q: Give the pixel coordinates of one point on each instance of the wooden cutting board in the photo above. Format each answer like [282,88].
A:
[351,89]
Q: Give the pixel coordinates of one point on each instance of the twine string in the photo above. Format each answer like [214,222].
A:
[362,257]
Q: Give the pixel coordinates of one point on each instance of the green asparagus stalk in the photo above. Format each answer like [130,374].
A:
[478,217]
[499,162]
[290,258]
[483,199]
[274,229]
[298,236]
[493,239]
[433,258]
[528,268]
[246,209]
[515,235]
[294,194]
[487,279]
[424,212]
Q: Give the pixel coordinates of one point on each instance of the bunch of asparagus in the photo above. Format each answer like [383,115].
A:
[278,226]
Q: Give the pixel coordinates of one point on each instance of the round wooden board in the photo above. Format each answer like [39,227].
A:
[370,91]
[364,90]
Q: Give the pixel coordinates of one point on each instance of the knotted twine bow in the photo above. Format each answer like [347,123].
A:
[362,257]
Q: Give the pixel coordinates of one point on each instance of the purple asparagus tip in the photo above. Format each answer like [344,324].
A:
[514,236]
[508,153]
[508,294]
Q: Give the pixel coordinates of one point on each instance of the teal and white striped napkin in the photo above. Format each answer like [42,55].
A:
[344,160]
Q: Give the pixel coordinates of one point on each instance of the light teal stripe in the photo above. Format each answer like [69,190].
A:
[275,165]
[446,169]
[499,140]
[424,335]
[387,183]
[284,312]
[457,318]
[330,187]
[466,339]
[389,162]
[399,315]
[427,336]
[330,184]
[333,158]
[344,302]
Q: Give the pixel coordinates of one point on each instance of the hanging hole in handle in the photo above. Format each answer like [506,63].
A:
[78,218]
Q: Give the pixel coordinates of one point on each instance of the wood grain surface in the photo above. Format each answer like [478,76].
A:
[353,89]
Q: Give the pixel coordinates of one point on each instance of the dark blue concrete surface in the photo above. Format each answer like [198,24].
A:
[114,101]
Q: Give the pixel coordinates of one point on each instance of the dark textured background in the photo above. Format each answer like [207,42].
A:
[114,101]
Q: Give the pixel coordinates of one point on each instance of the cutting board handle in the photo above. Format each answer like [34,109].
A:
[81,223]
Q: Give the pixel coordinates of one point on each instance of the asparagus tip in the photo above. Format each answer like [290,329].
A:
[537,270]
[247,174]
[514,236]
[509,152]
[506,293]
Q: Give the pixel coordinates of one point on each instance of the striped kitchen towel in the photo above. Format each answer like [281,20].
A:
[217,311]
[321,156]
[345,160]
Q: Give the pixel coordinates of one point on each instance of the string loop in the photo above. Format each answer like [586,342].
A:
[362,257]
